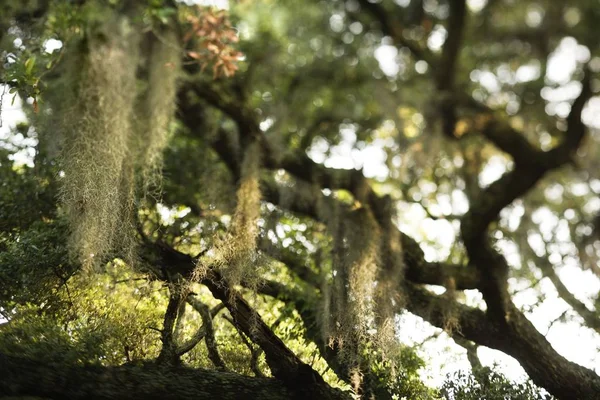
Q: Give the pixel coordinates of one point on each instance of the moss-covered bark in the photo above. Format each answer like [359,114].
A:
[22,377]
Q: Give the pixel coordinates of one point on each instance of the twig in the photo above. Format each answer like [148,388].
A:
[254,351]
[209,333]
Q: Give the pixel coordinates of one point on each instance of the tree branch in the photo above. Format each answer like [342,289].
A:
[471,349]
[168,353]
[199,334]
[591,318]
[284,364]
[209,333]
[391,26]
[517,337]
[24,377]
[487,206]
[503,327]
[254,352]
[446,69]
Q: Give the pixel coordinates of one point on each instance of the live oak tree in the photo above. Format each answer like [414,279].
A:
[181,229]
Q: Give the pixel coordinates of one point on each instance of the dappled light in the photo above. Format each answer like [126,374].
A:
[327,199]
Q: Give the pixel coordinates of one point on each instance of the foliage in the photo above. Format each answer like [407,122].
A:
[285,189]
[215,39]
[89,326]
[488,383]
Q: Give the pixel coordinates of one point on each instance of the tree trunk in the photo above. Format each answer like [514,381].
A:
[23,377]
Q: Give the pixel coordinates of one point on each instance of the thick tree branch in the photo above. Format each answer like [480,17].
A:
[517,337]
[391,26]
[284,364]
[487,206]
[23,377]
[418,270]
[525,155]
[168,352]
[502,320]
[510,141]
[446,69]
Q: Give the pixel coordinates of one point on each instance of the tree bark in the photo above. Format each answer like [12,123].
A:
[24,377]
[515,336]
[303,381]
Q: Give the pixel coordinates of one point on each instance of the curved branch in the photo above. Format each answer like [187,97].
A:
[591,318]
[487,206]
[254,352]
[205,332]
[284,364]
[391,26]
[503,326]
[517,338]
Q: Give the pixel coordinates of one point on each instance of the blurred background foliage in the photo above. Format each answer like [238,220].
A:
[323,79]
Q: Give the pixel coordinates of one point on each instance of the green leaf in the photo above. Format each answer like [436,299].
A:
[29,64]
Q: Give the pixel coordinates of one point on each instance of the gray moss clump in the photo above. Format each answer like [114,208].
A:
[96,134]
[157,105]
[360,298]
[235,254]
[112,134]
[351,300]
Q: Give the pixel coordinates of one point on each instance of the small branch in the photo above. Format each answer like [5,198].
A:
[590,317]
[179,323]
[188,345]
[153,328]
[471,349]
[391,26]
[168,352]
[254,351]
[446,70]
[555,320]
[209,333]
[130,280]
[199,334]
[430,338]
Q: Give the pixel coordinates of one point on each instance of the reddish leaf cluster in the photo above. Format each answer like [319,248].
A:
[214,37]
